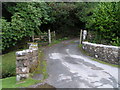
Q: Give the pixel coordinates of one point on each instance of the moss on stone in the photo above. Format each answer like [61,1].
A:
[42,66]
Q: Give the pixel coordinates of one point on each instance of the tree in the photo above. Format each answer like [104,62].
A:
[63,18]
[84,10]
[26,19]
[105,22]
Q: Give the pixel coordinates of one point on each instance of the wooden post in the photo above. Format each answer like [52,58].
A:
[54,35]
[33,37]
[81,36]
[49,36]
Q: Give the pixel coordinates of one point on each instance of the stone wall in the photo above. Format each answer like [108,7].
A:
[103,52]
[25,60]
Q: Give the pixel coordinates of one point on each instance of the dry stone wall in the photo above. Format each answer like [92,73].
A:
[105,53]
[25,60]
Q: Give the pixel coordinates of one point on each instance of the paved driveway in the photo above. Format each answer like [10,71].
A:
[69,68]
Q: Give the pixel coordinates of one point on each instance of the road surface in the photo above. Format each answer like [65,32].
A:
[69,68]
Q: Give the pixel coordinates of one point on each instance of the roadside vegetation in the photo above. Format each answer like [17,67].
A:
[9,64]
[42,66]
[57,41]
[21,20]
[11,82]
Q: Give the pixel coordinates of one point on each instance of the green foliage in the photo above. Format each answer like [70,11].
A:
[63,18]
[7,34]
[29,18]
[116,41]
[9,6]
[26,20]
[58,10]
[103,19]
[68,18]
[84,10]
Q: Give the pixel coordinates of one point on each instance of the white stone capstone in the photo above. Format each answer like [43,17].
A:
[84,34]
[21,53]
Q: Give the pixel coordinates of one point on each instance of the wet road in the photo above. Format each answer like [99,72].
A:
[69,68]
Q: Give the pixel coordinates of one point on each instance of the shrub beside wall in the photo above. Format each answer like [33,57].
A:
[103,52]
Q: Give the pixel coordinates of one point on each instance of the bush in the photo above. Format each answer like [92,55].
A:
[105,22]
[7,35]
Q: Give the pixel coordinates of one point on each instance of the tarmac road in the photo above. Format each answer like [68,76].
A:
[69,68]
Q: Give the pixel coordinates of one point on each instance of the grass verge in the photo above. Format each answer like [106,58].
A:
[42,67]
[11,82]
[8,64]
[94,59]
